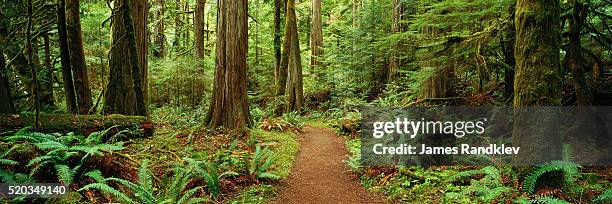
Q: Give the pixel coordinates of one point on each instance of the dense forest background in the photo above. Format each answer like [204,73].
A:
[192,66]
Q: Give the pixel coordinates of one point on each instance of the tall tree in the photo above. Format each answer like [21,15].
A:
[281,72]
[278,69]
[159,36]
[140,11]
[71,103]
[199,29]
[574,59]
[77,56]
[294,87]
[229,106]
[396,26]
[537,81]
[316,39]
[6,101]
[124,93]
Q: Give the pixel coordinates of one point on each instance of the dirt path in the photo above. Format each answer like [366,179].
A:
[320,175]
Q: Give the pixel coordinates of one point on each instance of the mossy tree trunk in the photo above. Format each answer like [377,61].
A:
[574,58]
[71,103]
[537,79]
[124,94]
[77,56]
[6,100]
[229,107]
[294,89]
[279,82]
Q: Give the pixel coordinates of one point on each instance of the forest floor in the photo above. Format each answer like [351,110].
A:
[319,174]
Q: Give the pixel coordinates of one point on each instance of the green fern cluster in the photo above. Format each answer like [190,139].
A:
[174,188]
[260,162]
[569,170]
[60,152]
[487,189]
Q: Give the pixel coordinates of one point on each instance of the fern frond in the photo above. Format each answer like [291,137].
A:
[8,162]
[96,175]
[550,200]
[188,194]
[605,197]
[266,175]
[570,170]
[64,173]
[199,200]
[46,145]
[108,190]
[145,177]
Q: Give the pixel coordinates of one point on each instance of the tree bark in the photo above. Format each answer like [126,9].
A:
[316,39]
[294,86]
[178,26]
[537,81]
[507,42]
[279,83]
[395,63]
[199,29]
[140,11]
[160,37]
[574,59]
[124,93]
[77,56]
[6,100]
[229,106]
[71,103]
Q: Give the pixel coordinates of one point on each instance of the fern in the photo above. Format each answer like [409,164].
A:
[64,173]
[107,189]
[569,170]
[261,161]
[549,200]
[487,188]
[605,197]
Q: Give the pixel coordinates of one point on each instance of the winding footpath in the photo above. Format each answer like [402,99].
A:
[320,175]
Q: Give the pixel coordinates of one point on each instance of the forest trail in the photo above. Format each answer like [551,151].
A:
[320,175]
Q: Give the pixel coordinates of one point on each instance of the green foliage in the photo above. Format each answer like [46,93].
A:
[605,197]
[65,154]
[487,189]
[174,190]
[569,172]
[549,200]
[260,162]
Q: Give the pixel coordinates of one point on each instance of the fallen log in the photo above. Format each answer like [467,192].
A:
[79,124]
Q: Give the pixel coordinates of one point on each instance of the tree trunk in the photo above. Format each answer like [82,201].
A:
[30,51]
[160,38]
[178,26]
[316,39]
[65,58]
[6,101]
[199,29]
[294,89]
[281,72]
[277,47]
[394,64]
[507,42]
[537,81]
[229,106]
[49,71]
[574,59]
[77,56]
[140,11]
[124,93]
